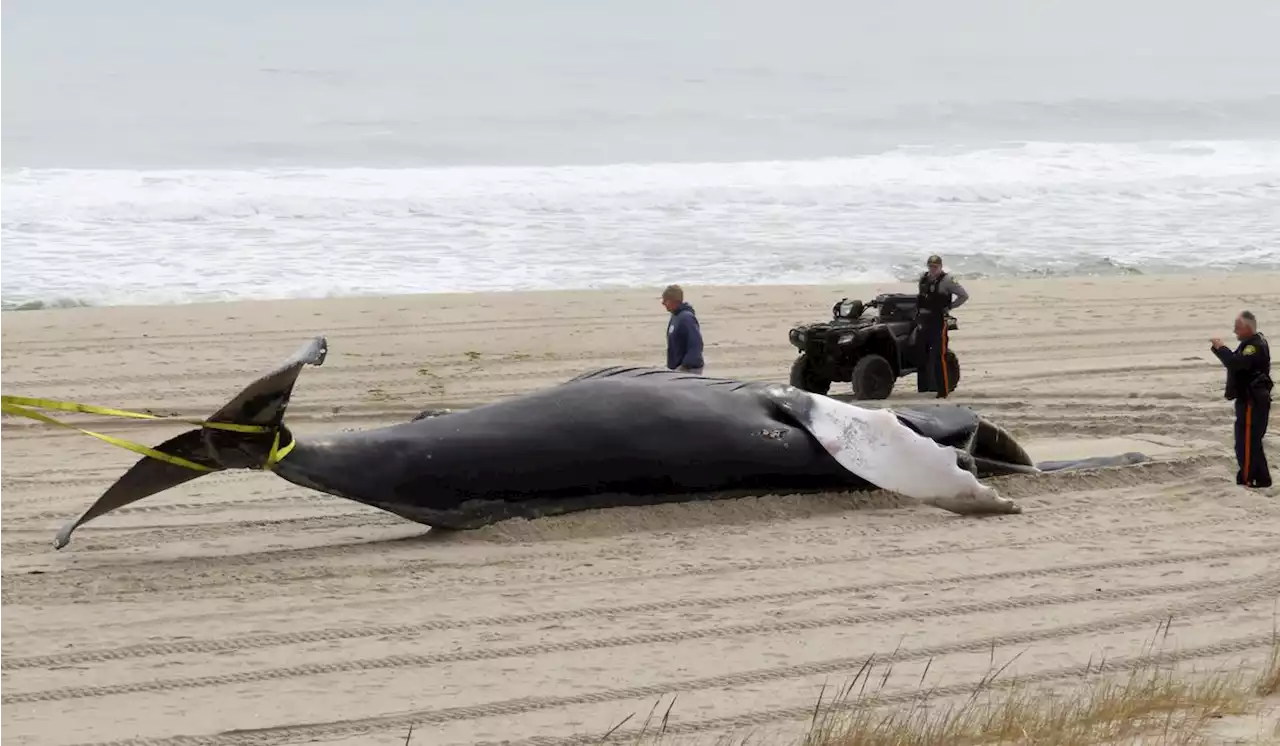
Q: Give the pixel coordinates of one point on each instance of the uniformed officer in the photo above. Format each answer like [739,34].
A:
[937,289]
[1249,384]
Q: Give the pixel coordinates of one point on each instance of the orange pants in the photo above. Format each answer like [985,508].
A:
[1252,415]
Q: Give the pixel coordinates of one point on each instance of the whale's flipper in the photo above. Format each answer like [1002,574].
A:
[877,447]
[261,403]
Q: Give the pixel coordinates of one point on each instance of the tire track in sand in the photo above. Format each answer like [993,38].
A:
[731,567]
[650,638]
[195,509]
[50,588]
[255,642]
[284,734]
[128,537]
[79,585]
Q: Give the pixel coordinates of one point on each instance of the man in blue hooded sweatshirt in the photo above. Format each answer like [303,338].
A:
[684,335]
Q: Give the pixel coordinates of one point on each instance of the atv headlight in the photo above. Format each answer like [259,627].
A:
[797,337]
[846,338]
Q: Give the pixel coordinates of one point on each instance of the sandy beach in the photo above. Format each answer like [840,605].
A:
[240,610]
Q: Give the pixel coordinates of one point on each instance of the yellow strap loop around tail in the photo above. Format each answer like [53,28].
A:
[278,453]
[128,445]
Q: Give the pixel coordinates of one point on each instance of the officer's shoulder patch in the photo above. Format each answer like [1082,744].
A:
[1248,350]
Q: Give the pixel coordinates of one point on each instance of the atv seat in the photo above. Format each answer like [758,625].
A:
[897,307]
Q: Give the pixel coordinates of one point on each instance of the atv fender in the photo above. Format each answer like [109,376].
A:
[882,342]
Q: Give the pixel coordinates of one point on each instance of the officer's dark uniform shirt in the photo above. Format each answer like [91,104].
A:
[935,295]
[1248,368]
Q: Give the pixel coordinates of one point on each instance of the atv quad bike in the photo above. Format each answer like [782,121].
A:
[871,351]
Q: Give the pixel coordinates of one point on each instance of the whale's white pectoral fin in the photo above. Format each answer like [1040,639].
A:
[874,445]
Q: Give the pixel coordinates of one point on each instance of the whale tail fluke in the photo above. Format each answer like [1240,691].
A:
[251,436]
[263,402]
[145,478]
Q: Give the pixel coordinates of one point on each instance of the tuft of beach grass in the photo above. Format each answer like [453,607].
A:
[1150,704]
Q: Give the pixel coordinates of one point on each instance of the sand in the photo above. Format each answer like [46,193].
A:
[239,609]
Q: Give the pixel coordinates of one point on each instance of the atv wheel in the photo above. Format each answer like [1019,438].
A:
[953,371]
[872,378]
[803,378]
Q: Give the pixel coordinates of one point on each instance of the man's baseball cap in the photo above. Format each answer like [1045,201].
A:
[934,259]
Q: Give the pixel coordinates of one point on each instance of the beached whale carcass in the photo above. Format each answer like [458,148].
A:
[610,437]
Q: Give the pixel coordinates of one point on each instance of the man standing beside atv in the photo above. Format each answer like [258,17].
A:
[939,293]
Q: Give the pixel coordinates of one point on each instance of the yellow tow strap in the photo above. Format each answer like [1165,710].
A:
[69,406]
[277,452]
[26,407]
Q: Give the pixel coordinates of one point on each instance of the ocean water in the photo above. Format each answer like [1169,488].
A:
[184,151]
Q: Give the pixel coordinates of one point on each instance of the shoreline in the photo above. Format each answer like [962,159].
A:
[445,297]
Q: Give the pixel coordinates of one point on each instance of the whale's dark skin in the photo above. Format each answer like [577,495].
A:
[596,441]
[616,436]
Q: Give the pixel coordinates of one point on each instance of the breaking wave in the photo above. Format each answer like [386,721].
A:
[1023,209]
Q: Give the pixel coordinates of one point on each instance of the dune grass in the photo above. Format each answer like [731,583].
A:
[1151,703]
